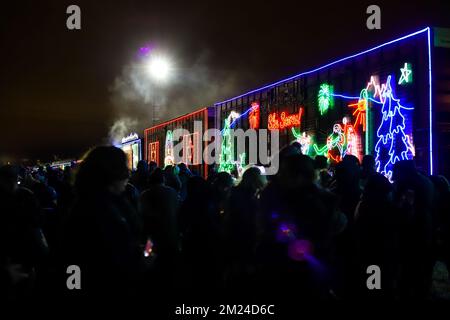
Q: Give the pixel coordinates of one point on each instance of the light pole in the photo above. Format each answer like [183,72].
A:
[159,68]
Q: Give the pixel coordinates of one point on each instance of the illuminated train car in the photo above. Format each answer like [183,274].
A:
[131,145]
[159,142]
[382,101]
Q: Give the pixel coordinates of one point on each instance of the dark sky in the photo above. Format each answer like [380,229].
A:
[57,86]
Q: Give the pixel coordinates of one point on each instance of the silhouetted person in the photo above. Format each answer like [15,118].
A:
[441,219]
[184,175]
[140,177]
[414,199]
[171,177]
[201,245]
[243,229]
[322,174]
[367,169]
[97,235]
[376,237]
[159,205]
[301,221]
[23,247]
[221,187]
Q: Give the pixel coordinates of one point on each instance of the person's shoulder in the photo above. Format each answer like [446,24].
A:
[325,195]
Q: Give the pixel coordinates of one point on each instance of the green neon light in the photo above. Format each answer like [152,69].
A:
[325,98]
[406,74]
[227,163]
[304,140]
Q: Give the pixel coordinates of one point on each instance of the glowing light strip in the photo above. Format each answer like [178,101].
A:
[338,61]
[237,118]
[180,118]
[431,102]
[129,142]
[355,98]
[244,114]
[131,137]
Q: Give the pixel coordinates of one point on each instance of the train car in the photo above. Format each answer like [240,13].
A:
[131,145]
[382,101]
[160,142]
[62,164]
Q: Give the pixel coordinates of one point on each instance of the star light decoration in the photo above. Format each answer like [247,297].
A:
[406,76]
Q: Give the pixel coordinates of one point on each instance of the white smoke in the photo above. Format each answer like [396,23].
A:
[134,96]
[120,129]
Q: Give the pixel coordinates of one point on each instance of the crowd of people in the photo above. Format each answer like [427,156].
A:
[311,231]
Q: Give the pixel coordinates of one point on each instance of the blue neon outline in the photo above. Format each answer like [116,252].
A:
[354,98]
[431,101]
[330,64]
[390,135]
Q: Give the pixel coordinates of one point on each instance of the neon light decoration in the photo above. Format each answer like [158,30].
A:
[374,86]
[343,141]
[227,162]
[169,160]
[360,110]
[253,117]
[304,140]
[393,143]
[425,32]
[406,74]
[191,141]
[276,122]
[131,137]
[325,98]
[154,152]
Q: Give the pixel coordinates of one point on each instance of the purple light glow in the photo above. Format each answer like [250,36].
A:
[145,51]
[300,250]
[286,232]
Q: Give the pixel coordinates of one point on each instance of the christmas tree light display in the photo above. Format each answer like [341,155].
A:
[393,143]
[227,162]
[325,98]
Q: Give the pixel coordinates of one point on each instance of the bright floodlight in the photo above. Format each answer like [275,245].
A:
[159,68]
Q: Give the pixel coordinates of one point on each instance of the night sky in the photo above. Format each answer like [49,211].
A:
[60,89]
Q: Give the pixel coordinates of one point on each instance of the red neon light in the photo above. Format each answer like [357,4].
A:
[360,112]
[176,119]
[154,152]
[276,122]
[205,126]
[253,117]
[190,142]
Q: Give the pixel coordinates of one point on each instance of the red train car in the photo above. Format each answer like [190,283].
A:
[159,143]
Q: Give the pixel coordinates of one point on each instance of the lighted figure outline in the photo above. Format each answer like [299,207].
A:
[169,159]
[344,139]
[254,117]
[304,140]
